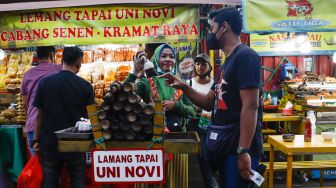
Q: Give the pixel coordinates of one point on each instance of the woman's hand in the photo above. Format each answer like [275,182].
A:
[138,62]
[169,105]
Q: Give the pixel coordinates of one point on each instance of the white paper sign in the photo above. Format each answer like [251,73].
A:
[128,165]
[257,178]
[187,65]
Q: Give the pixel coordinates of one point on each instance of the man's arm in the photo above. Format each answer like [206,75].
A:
[248,116]
[248,122]
[37,133]
[204,101]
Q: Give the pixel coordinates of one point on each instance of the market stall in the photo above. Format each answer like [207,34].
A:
[296,44]
[109,36]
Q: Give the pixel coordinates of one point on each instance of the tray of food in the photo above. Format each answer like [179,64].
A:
[72,133]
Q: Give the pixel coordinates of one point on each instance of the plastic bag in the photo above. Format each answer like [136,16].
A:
[31,175]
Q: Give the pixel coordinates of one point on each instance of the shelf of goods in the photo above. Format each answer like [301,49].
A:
[12,68]
[124,121]
[317,94]
[103,64]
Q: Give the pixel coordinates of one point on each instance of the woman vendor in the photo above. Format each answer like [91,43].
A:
[177,107]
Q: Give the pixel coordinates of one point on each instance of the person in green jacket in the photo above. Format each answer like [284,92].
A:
[175,102]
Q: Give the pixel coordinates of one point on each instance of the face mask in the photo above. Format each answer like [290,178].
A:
[212,41]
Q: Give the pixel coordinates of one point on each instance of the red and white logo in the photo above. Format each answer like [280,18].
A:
[300,8]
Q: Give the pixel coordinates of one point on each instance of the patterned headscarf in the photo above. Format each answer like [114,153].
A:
[156,58]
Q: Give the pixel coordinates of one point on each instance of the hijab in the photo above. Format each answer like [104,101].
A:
[156,58]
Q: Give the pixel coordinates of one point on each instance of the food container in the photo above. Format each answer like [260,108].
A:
[71,134]
[288,137]
[327,136]
[287,112]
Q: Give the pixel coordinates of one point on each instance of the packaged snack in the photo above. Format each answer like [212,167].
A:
[108,55]
[27,58]
[118,55]
[98,54]
[59,55]
[88,56]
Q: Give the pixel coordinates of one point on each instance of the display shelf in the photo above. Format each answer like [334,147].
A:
[173,143]
[320,108]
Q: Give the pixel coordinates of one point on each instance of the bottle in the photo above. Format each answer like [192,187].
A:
[138,107]
[136,126]
[117,106]
[128,107]
[131,117]
[150,70]
[308,131]
[128,87]
[101,114]
[115,87]
[108,98]
[130,135]
[148,110]
[122,97]
[105,124]
[105,107]
[133,98]
[107,135]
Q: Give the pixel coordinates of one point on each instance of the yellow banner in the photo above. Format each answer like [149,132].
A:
[100,25]
[311,43]
[288,15]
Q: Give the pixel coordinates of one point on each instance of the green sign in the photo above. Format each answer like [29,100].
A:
[288,15]
[100,25]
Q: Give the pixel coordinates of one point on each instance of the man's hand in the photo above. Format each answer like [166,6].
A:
[173,81]
[36,146]
[244,166]
[169,105]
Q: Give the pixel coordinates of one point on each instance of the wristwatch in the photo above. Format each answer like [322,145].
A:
[241,150]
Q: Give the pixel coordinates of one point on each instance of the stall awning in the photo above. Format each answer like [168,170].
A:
[29,5]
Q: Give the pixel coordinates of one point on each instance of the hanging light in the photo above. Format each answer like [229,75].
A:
[2,54]
[301,37]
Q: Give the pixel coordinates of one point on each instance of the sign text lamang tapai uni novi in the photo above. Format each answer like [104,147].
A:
[139,165]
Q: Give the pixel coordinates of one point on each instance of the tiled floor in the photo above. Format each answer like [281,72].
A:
[195,178]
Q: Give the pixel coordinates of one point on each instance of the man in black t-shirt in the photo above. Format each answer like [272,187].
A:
[61,100]
[235,101]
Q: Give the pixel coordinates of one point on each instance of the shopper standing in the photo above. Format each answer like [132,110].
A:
[202,82]
[61,100]
[30,80]
[234,135]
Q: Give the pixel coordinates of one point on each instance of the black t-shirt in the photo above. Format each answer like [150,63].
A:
[241,70]
[63,98]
